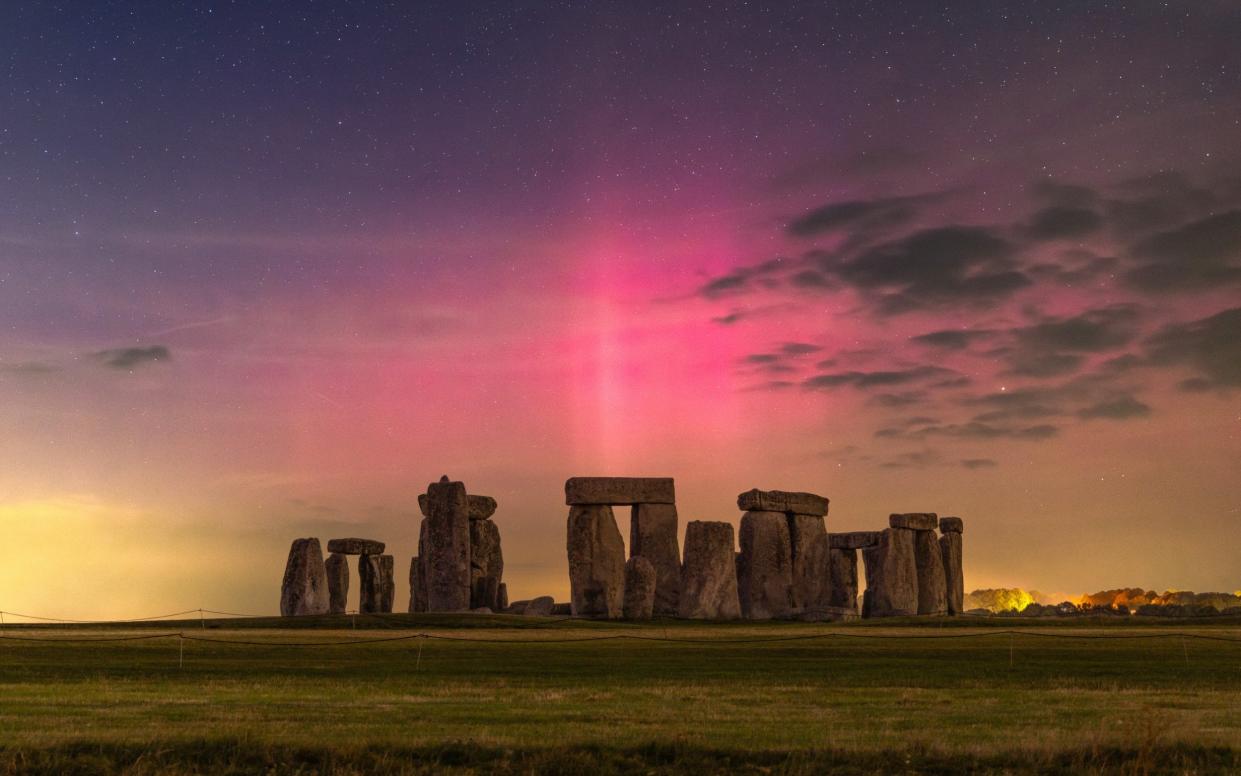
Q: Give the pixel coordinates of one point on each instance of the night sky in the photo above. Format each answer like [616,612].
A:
[268,270]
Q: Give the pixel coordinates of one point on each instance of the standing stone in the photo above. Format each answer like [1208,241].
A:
[337,567]
[709,575]
[640,587]
[446,555]
[502,597]
[844,578]
[653,533]
[596,562]
[765,571]
[891,575]
[782,501]
[618,491]
[486,564]
[950,550]
[811,575]
[304,589]
[417,586]
[932,586]
[375,584]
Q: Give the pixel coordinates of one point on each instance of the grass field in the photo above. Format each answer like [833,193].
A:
[501,694]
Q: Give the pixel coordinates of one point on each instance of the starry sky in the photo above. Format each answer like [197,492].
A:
[266,270]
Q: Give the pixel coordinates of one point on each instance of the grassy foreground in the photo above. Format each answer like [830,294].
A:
[517,695]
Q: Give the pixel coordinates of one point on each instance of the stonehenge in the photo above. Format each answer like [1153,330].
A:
[709,574]
[783,565]
[304,589]
[597,552]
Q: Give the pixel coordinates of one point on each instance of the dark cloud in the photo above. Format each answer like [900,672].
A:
[915,459]
[876,379]
[129,358]
[978,463]
[1211,346]
[1064,195]
[1200,255]
[974,430]
[744,279]
[1055,347]
[1059,222]
[799,348]
[952,339]
[899,399]
[1119,408]
[953,264]
[31,368]
[1026,364]
[883,213]
[1158,201]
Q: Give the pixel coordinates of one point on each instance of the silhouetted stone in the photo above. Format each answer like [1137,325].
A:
[446,554]
[709,575]
[891,575]
[480,507]
[653,535]
[337,568]
[951,525]
[765,571]
[562,610]
[417,586]
[932,587]
[844,583]
[954,583]
[618,491]
[917,521]
[376,586]
[811,575]
[543,606]
[596,562]
[782,501]
[502,597]
[304,588]
[487,564]
[354,546]
[639,589]
[854,540]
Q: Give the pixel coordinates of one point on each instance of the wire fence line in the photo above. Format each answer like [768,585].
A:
[1011,633]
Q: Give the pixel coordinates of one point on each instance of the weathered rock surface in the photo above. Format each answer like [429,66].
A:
[917,521]
[502,597]
[596,562]
[653,534]
[844,578]
[782,501]
[954,583]
[562,610]
[765,570]
[709,574]
[376,586]
[417,586]
[951,525]
[542,606]
[486,564]
[446,551]
[337,568]
[304,588]
[353,546]
[891,575]
[619,491]
[640,582]
[932,587]
[854,540]
[480,507]
[811,575]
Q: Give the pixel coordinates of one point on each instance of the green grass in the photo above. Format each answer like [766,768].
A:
[522,696]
